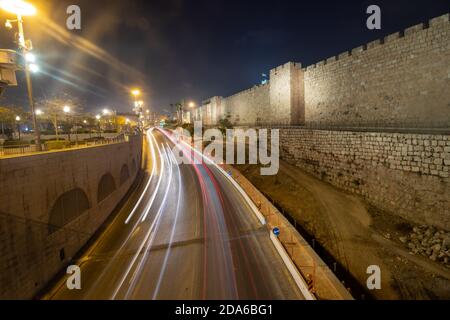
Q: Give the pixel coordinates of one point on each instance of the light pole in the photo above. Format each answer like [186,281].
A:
[98,117]
[21,8]
[138,105]
[18,125]
[66,110]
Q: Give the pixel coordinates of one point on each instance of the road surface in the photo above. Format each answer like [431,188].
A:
[185,233]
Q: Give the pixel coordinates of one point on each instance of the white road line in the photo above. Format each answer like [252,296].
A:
[299,281]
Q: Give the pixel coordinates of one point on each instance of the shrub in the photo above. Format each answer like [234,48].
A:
[15,143]
[56,144]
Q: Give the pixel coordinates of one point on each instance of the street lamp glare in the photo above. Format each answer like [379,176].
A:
[136,92]
[191,104]
[105,111]
[18,7]
[17,118]
[29,57]
[97,117]
[66,109]
[33,67]
[39,112]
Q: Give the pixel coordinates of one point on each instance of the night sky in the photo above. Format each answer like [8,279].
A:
[194,49]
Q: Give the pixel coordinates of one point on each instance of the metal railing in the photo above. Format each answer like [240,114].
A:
[21,149]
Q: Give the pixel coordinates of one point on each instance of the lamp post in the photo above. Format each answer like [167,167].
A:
[98,117]
[138,105]
[66,110]
[21,8]
[18,125]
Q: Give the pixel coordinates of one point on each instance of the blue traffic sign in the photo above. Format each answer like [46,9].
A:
[276,231]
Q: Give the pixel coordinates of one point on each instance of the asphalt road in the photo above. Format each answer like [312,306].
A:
[185,233]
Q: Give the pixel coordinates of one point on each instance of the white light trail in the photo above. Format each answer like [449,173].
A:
[145,241]
[172,234]
[147,208]
[149,180]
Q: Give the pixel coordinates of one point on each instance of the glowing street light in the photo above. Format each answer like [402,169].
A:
[66,109]
[18,125]
[33,67]
[98,117]
[106,112]
[18,7]
[30,57]
[39,112]
[135,92]
[191,104]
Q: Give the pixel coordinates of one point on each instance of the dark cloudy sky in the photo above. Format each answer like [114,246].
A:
[192,49]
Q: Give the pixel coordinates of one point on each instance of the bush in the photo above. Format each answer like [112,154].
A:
[15,143]
[93,139]
[56,144]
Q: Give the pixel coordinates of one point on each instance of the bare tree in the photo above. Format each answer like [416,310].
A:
[54,110]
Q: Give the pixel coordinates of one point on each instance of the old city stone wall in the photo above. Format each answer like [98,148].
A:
[402,80]
[52,203]
[405,174]
[247,107]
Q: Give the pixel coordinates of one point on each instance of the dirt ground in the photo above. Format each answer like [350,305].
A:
[354,233]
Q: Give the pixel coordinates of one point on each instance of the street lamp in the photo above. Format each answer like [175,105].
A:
[39,112]
[98,117]
[138,104]
[66,110]
[18,125]
[21,8]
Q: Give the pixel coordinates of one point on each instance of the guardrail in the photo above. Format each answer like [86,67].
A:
[22,149]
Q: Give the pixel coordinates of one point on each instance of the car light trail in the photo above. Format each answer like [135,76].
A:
[180,199]
[149,180]
[147,209]
[147,240]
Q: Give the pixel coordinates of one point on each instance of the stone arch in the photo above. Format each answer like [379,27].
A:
[66,208]
[106,186]
[124,174]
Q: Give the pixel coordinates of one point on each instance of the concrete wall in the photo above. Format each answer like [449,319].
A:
[403,81]
[404,174]
[40,229]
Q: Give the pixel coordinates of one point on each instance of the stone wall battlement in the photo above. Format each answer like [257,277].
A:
[410,31]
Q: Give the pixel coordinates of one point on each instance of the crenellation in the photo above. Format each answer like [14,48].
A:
[343,55]
[373,44]
[439,20]
[357,50]
[391,37]
[414,29]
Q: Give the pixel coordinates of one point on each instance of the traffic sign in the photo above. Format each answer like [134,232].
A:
[276,231]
